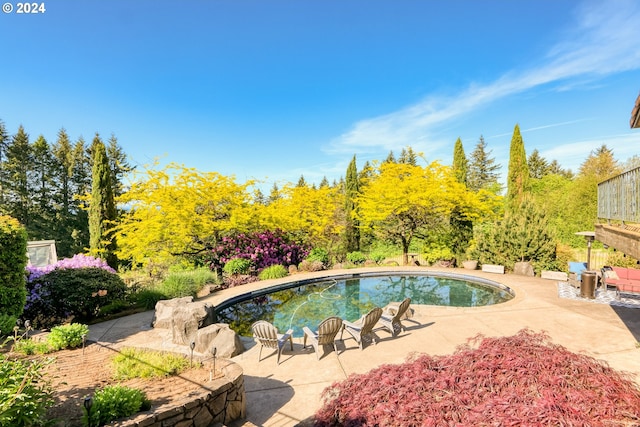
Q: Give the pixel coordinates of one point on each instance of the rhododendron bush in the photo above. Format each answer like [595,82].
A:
[261,249]
[523,380]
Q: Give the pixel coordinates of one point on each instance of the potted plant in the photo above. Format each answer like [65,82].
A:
[469,262]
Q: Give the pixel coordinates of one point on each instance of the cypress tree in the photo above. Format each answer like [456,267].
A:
[518,178]
[460,162]
[102,209]
[352,187]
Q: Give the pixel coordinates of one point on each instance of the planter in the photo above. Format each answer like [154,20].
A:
[470,264]
[446,263]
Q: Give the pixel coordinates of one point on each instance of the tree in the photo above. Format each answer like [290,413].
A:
[119,165]
[42,184]
[402,201]
[351,231]
[518,175]
[17,167]
[460,162]
[390,158]
[4,144]
[408,156]
[483,169]
[102,208]
[302,182]
[179,211]
[81,185]
[538,165]
[63,195]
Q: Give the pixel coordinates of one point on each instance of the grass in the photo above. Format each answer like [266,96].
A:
[137,363]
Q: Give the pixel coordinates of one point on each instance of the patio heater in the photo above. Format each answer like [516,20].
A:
[589,236]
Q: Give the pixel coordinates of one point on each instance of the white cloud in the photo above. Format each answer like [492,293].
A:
[603,41]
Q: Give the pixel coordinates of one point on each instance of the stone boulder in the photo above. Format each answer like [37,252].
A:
[220,336]
[164,311]
[188,318]
[523,269]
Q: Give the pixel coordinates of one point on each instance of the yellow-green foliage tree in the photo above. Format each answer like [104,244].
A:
[180,211]
[402,201]
[311,214]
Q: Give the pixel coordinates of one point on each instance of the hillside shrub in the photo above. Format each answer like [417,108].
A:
[177,285]
[318,254]
[148,298]
[261,249]
[273,272]
[116,401]
[25,392]
[7,323]
[518,380]
[71,292]
[13,259]
[67,336]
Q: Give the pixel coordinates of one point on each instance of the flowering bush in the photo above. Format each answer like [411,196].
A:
[261,249]
[518,380]
[76,286]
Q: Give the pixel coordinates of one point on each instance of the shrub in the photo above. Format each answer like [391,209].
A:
[136,363]
[523,379]
[356,257]
[67,336]
[262,249]
[434,253]
[116,401]
[618,259]
[148,298]
[78,292]
[237,266]
[177,285]
[307,265]
[29,347]
[13,259]
[25,393]
[7,322]
[273,272]
[318,254]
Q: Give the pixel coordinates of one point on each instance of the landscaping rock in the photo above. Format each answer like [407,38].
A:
[188,318]
[523,269]
[164,311]
[220,336]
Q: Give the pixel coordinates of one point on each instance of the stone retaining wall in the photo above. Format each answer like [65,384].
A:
[218,404]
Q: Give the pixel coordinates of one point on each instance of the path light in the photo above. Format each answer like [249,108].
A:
[27,326]
[192,345]
[214,350]
[88,403]
[84,341]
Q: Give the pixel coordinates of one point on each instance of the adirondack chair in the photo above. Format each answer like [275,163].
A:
[362,329]
[267,336]
[325,335]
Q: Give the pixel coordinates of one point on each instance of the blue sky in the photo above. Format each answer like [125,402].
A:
[273,90]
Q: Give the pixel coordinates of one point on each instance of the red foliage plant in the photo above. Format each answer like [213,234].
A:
[522,380]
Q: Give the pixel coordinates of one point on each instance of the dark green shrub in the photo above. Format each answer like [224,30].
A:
[318,254]
[237,266]
[25,394]
[13,260]
[116,401]
[273,272]
[7,322]
[77,292]
[356,257]
[67,336]
[148,298]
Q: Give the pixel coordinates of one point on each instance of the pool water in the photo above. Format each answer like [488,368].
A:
[309,304]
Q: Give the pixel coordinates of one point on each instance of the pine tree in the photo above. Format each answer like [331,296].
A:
[408,157]
[102,209]
[324,183]
[301,182]
[390,158]
[119,165]
[460,162]
[483,169]
[42,185]
[274,194]
[81,185]
[63,195]
[518,175]
[4,144]
[352,189]
[18,166]
[538,165]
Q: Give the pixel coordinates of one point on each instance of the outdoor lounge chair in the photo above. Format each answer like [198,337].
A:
[362,329]
[392,314]
[325,335]
[268,336]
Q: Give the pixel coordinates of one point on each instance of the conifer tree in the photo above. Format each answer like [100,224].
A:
[18,166]
[4,144]
[301,182]
[352,190]
[460,162]
[63,196]
[324,183]
[102,209]
[42,185]
[390,158]
[408,157]
[274,194]
[538,165]
[81,185]
[518,175]
[483,169]
[119,165]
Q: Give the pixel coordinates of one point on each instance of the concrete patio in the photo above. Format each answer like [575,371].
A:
[288,394]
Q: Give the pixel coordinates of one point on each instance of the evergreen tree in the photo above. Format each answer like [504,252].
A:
[301,182]
[274,194]
[460,162]
[4,144]
[366,172]
[483,169]
[600,164]
[81,185]
[390,158]
[352,190]
[63,196]
[408,157]
[119,165]
[518,175]
[538,165]
[18,166]
[102,209]
[258,198]
[555,168]
[324,183]
[42,185]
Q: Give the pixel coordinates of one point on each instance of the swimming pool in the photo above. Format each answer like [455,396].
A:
[307,303]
